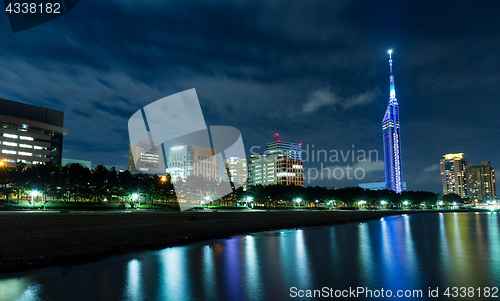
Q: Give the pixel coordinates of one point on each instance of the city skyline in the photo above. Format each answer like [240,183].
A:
[319,79]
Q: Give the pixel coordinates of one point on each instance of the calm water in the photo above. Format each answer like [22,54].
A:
[411,252]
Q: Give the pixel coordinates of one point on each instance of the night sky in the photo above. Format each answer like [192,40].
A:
[316,72]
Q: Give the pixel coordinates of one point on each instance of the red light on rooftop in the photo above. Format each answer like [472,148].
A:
[279,140]
[300,143]
[276,134]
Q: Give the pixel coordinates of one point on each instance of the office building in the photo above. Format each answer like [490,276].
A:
[481,182]
[392,141]
[275,170]
[288,149]
[238,170]
[30,134]
[453,173]
[145,158]
[186,160]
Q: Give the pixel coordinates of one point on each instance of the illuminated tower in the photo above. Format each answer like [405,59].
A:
[392,143]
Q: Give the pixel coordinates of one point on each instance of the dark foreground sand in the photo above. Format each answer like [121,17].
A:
[30,241]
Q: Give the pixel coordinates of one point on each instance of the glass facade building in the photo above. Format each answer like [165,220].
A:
[392,142]
[30,134]
[288,149]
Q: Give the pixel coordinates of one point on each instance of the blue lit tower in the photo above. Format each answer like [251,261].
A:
[392,143]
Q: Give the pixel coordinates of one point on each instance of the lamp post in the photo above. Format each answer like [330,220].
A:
[135,196]
[298,200]
[207,199]
[249,200]
[163,180]
[33,193]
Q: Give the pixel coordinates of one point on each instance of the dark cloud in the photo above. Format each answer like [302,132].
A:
[265,67]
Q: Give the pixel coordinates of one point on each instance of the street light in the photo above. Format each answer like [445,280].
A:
[135,196]
[249,200]
[33,193]
[163,179]
[383,203]
[405,203]
[1,163]
[298,200]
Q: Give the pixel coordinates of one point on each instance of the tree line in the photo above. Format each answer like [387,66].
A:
[282,195]
[76,183]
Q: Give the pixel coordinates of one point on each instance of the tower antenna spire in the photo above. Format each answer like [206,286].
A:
[391,79]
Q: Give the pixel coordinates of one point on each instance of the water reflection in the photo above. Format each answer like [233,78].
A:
[398,252]
[134,285]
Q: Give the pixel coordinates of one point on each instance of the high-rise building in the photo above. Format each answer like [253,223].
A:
[392,143]
[186,160]
[280,165]
[453,172]
[238,170]
[145,157]
[275,170]
[288,149]
[30,134]
[481,182]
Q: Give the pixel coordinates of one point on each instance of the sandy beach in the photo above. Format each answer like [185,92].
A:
[31,241]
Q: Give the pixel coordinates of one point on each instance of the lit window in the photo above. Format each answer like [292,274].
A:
[10,136]
[6,151]
[26,145]
[25,138]
[9,143]
[24,154]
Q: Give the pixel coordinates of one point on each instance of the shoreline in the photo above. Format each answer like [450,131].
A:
[35,241]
